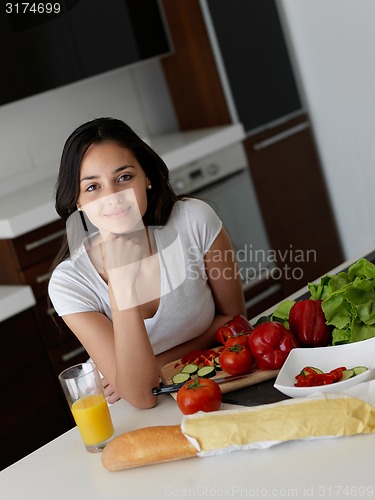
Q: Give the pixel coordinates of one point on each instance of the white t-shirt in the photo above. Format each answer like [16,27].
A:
[186,306]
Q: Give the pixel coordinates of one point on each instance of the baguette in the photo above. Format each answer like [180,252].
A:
[146,446]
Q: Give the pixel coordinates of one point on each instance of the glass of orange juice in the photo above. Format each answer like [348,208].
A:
[84,392]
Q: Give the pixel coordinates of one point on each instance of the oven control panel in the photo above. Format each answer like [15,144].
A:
[209,169]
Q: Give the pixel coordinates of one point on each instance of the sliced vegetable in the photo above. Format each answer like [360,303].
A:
[206,372]
[180,378]
[360,369]
[217,364]
[204,357]
[190,368]
[346,374]
[311,377]
[310,369]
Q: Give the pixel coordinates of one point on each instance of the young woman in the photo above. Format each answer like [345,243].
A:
[155,279]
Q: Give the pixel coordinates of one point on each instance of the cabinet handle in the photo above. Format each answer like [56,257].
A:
[43,277]
[281,136]
[72,354]
[42,241]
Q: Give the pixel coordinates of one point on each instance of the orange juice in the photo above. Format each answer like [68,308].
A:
[93,419]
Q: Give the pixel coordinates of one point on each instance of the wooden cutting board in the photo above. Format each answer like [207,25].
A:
[255,376]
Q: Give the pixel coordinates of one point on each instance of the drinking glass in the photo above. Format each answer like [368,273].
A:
[84,392]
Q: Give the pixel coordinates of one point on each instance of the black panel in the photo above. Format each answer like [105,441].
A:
[256,60]
[41,51]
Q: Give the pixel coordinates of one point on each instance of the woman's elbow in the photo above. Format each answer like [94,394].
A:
[143,403]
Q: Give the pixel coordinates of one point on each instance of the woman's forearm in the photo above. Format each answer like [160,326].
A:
[136,369]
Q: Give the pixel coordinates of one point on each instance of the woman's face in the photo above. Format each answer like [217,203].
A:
[112,188]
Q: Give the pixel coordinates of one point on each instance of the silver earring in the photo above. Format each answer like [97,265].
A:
[149,186]
[79,209]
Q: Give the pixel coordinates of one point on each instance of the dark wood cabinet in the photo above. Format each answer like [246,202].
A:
[33,410]
[280,147]
[294,202]
[255,60]
[27,260]
[33,350]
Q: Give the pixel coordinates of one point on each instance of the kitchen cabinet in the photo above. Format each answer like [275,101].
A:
[247,57]
[294,202]
[33,409]
[27,259]
[253,60]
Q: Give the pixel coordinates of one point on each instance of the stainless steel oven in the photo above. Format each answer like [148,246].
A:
[223,180]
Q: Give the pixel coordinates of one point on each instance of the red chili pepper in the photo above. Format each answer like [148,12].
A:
[238,324]
[308,323]
[270,344]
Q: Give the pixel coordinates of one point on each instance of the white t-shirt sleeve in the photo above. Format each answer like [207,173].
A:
[204,221]
[70,295]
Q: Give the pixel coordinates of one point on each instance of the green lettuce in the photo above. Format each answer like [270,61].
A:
[281,313]
[348,302]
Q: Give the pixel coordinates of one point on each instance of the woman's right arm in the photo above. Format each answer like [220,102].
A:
[121,351]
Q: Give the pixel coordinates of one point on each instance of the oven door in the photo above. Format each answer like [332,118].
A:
[234,200]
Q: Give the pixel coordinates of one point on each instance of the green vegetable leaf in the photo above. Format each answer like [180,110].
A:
[321,290]
[281,313]
[363,268]
[337,310]
[349,302]
[283,309]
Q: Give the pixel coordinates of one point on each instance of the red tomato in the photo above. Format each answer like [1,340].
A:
[236,359]
[241,339]
[201,394]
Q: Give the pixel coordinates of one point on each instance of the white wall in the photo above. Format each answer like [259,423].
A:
[334,46]
[33,130]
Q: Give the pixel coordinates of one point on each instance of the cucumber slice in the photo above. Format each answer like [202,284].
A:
[359,369]
[180,378]
[191,369]
[305,371]
[349,373]
[217,363]
[206,372]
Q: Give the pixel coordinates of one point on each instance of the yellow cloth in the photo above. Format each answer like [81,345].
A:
[263,426]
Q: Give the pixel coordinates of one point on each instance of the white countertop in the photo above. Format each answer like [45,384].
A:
[15,299]
[33,206]
[326,468]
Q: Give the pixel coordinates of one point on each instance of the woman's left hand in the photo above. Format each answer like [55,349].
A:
[109,393]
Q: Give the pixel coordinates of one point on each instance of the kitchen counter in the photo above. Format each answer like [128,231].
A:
[14,299]
[33,206]
[327,468]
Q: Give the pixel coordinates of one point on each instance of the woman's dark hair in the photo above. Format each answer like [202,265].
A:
[161,197]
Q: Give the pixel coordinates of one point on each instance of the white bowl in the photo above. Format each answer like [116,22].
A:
[326,358]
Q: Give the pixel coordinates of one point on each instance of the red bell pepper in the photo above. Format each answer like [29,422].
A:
[238,324]
[308,324]
[270,344]
[309,377]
